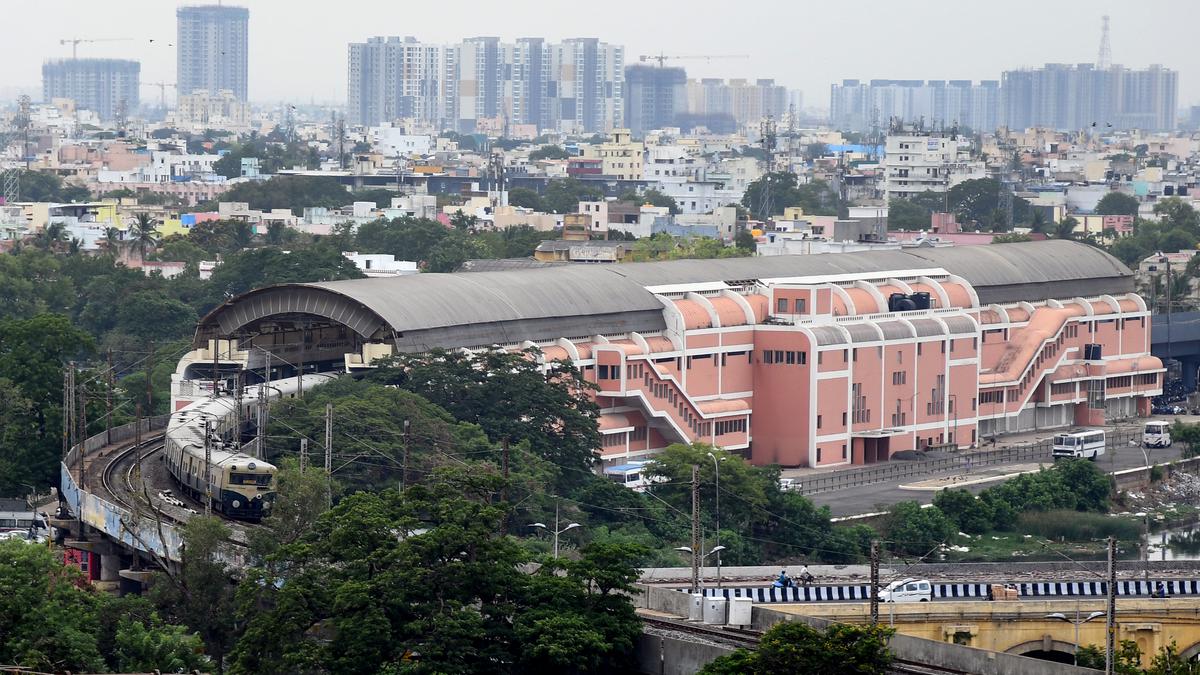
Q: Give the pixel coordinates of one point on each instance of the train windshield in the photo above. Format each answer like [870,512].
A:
[250,478]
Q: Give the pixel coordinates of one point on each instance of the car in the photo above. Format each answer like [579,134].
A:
[907,590]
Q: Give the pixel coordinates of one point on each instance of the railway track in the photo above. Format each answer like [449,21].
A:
[737,636]
[121,489]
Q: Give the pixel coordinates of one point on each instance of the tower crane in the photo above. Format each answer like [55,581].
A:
[162,91]
[707,57]
[75,43]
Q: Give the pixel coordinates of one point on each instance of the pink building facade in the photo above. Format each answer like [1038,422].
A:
[818,372]
[811,360]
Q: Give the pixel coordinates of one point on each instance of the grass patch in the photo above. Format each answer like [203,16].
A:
[1077,526]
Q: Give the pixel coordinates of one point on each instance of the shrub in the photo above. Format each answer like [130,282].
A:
[973,516]
[912,530]
[1076,526]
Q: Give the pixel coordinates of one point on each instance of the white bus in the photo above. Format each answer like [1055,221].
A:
[1157,434]
[1087,444]
[633,475]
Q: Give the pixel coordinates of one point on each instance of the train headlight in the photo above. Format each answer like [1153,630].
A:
[251,466]
[236,504]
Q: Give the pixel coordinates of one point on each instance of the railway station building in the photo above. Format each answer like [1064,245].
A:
[815,360]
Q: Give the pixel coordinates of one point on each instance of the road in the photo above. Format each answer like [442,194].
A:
[879,496]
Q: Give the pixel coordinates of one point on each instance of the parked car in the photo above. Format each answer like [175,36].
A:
[907,590]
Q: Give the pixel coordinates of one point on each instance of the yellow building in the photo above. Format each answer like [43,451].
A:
[621,156]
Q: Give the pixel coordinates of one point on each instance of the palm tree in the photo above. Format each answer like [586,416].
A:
[143,233]
[112,238]
[1065,229]
[51,236]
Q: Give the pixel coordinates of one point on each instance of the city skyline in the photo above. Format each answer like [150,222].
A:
[290,58]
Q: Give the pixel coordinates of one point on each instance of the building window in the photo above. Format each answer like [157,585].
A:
[818,455]
[799,305]
[791,358]
[603,370]
[818,421]
[768,356]
[781,306]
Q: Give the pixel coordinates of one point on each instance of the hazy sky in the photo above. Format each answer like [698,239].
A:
[298,47]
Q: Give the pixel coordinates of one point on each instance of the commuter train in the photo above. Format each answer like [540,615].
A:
[241,486]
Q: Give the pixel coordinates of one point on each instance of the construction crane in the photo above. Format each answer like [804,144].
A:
[162,91]
[707,57]
[75,43]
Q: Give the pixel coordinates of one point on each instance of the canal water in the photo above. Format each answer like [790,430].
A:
[1180,543]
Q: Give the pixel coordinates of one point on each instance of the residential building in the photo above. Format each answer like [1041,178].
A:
[620,157]
[211,49]
[588,91]
[104,86]
[202,109]
[818,361]
[918,161]
[375,265]
[724,106]
[860,106]
[392,78]
[654,97]
[1076,97]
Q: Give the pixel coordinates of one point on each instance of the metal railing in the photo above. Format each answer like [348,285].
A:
[964,462]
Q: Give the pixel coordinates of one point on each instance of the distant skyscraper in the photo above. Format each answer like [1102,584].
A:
[99,85]
[392,78]
[1073,97]
[862,106]
[655,97]
[588,85]
[211,49]
[722,106]
[572,86]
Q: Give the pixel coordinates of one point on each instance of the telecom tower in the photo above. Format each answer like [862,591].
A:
[767,138]
[1104,58]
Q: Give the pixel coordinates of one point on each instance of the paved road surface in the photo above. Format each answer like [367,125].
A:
[877,497]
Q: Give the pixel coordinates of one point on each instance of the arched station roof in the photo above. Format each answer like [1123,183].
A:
[423,311]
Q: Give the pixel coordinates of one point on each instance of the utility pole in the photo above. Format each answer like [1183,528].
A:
[66,407]
[404,468]
[207,470]
[264,410]
[696,553]
[108,390]
[137,443]
[216,376]
[303,453]
[81,417]
[149,381]
[329,454]
[1110,619]
[237,395]
[874,582]
[300,369]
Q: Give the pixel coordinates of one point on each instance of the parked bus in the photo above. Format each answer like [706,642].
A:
[632,475]
[1157,434]
[1087,444]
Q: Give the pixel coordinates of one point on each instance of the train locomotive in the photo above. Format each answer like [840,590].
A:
[241,486]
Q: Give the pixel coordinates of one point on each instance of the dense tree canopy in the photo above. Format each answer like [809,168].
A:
[814,197]
[1117,204]
[290,192]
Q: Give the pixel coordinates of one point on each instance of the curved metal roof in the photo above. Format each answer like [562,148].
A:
[427,310]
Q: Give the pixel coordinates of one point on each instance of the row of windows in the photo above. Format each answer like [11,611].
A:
[781,306]
[790,358]
[819,453]
[730,427]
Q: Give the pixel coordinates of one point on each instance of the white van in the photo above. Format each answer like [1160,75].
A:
[1157,434]
[1086,444]
[908,590]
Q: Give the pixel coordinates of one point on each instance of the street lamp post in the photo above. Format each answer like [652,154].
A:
[1077,622]
[556,531]
[715,551]
[717,469]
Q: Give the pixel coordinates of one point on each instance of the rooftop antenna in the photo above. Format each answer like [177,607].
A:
[1104,58]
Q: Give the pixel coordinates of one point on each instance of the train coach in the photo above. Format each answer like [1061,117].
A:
[241,486]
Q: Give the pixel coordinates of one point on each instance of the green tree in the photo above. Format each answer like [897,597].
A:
[814,197]
[912,530]
[525,198]
[549,152]
[423,581]
[506,394]
[970,515]
[255,268]
[652,197]
[200,594]
[1065,229]
[795,647]
[1011,238]
[290,192]
[1174,213]
[455,249]
[406,238]
[32,355]
[977,201]
[1117,204]
[44,186]
[563,195]
[143,234]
